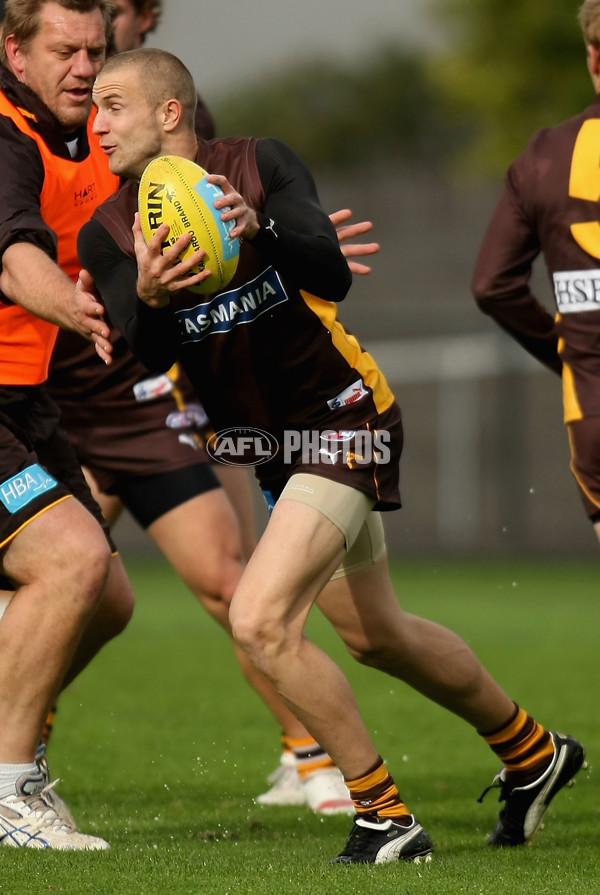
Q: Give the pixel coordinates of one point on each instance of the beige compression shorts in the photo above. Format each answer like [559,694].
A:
[349,510]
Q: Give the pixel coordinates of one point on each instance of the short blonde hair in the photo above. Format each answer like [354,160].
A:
[162,76]
[589,19]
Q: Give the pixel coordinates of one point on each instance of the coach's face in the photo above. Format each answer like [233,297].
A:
[128,128]
[61,62]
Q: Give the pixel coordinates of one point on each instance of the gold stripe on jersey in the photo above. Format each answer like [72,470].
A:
[571,407]
[174,374]
[349,347]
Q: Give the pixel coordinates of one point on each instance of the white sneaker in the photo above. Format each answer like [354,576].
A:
[29,820]
[286,788]
[326,793]
[59,805]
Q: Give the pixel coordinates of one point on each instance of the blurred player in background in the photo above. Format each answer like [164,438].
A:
[550,207]
[134,21]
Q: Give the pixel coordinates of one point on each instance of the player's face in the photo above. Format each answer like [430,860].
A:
[128,128]
[61,62]
[129,26]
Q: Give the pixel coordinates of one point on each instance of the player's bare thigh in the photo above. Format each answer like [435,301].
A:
[62,548]
[298,552]
[201,539]
[238,488]
[364,610]
[303,545]
[110,504]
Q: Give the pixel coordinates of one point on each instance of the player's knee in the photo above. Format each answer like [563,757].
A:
[74,552]
[261,636]
[245,629]
[218,582]
[372,655]
[380,648]
[86,573]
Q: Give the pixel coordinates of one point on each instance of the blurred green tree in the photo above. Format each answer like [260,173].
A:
[509,67]
[339,116]
[504,69]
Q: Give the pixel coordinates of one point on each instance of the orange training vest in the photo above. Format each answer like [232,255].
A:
[72,191]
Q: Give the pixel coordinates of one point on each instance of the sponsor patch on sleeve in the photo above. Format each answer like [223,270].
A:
[350,395]
[154,387]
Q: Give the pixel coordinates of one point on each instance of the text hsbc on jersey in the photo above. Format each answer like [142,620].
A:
[577,290]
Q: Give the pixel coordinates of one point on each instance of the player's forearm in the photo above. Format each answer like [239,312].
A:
[296,235]
[314,263]
[152,336]
[503,293]
[529,324]
[32,280]
[501,282]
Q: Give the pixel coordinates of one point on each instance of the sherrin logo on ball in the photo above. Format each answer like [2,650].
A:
[175,191]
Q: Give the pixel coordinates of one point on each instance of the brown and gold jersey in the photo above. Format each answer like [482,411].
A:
[551,206]
[268,352]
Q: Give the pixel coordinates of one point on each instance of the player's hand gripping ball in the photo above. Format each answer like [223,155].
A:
[175,191]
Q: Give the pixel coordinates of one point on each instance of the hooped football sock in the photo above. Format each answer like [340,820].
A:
[49,725]
[310,757]
[376,793]
[525,747]
[287,744]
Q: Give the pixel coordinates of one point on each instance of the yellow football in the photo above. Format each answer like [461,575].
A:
[175,191]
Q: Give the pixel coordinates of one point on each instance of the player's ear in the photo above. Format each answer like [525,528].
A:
[14,54]
[593,60]
[171,114]
[147,22]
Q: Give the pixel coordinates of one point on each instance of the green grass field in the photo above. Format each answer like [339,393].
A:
[161,747]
